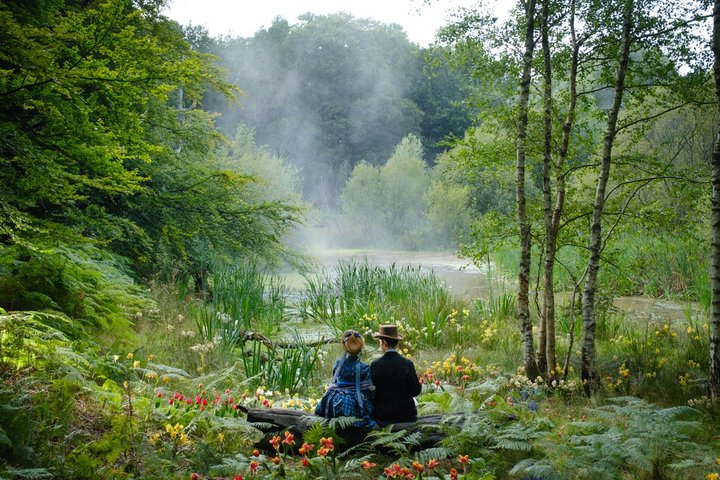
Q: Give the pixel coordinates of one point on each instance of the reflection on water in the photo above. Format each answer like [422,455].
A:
[463,278]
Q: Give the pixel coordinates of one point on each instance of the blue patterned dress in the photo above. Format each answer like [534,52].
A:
[350,394]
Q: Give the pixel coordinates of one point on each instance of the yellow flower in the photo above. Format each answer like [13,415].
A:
[166,379]
[717,460]
[130,356]
[151,357]
[712,476]
[136,363]
[220,437]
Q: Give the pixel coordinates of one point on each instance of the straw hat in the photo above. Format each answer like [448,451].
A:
[388,331]
[352,342]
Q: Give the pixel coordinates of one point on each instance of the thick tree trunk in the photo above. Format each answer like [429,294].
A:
[714,376]
[588,367]
[546,349]
[525,239]
[273,421]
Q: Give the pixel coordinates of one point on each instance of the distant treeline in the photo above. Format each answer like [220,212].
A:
[331,91]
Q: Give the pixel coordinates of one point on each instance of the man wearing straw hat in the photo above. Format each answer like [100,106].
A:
[395,380]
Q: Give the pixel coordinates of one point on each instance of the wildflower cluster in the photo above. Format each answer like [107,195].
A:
[417,469]
[228,403]
[521,381]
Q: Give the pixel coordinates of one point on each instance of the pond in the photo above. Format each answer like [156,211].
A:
[463,278]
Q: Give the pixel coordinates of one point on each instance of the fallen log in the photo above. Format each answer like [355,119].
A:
[272,421]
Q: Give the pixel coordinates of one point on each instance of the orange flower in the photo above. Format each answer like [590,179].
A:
[432,463]
[463,459]
[322,451]
[256,453]
[368,465]
[327,443]
[289,439]
[276,460]
[275,442]
[305,449]
[453,474]
[418,467]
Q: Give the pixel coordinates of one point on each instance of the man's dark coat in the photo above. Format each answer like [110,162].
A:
[396,383]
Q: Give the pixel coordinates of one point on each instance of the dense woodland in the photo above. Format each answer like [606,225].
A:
[157,181]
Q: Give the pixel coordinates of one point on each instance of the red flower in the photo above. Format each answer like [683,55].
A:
[254,466]
[194,476]
[463,459]
[204,402]
[230,400]
[266,403]
[305,462]
[453,474]
[256,453]
[289,438]
[171,401]
[188,401]
[368,465]
[275,442]
[276,460]
[238,477]
[432,463]
[158,394]
[390,473]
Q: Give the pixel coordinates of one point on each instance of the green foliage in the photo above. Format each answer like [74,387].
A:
[385,206]
[630,435]
[84,282]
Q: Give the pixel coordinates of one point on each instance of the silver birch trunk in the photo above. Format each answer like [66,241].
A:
[714,370]
[525,239]
[546,329]
[587,362]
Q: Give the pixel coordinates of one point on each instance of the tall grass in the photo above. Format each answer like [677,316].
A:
[359,295]
[289,367]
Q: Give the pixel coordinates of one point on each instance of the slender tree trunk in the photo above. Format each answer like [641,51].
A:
[525,239]
[714,377]
[546,329]
[588,367]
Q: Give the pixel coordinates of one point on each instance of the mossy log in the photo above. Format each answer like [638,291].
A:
[272,421]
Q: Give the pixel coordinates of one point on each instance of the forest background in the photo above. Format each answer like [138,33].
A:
[154,179]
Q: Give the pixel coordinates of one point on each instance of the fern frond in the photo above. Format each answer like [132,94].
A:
[29,473]
[437,453]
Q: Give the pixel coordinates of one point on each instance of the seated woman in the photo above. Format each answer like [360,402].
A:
[351,391]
